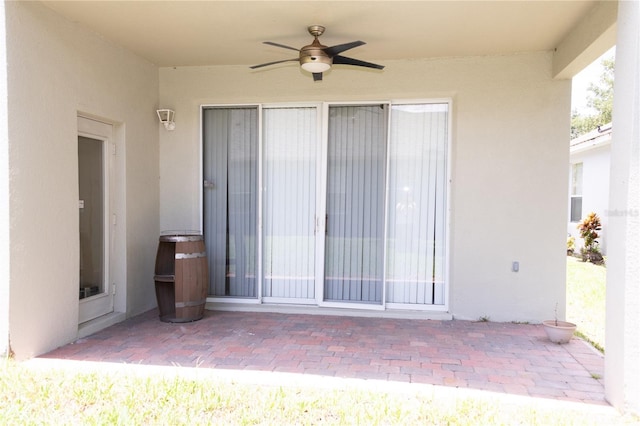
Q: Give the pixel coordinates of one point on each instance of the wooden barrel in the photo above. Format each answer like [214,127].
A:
[181,278]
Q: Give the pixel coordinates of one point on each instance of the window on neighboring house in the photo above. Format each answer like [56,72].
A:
[576,192]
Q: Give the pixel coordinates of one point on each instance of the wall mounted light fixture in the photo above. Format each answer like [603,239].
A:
[166,117]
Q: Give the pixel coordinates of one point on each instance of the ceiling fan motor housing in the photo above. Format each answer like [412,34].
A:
[315,54]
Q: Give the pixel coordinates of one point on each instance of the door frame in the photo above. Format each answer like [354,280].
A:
[103,303]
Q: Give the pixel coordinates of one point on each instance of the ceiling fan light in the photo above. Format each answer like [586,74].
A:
[315,64]
[315,67]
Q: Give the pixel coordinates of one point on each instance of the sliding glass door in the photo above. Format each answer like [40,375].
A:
[416,234]
[356,174]
[290,139]
[345,206]
[230,163]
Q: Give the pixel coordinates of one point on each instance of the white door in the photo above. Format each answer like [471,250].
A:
[95,218]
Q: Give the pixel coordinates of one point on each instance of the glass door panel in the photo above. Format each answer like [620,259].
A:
[417,204]
[356,173]
[91,208]
[230,156]
[289,197]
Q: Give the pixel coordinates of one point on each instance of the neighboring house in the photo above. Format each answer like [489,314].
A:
[590,158]
[464,156]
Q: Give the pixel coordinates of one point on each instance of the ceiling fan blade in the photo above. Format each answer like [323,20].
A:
[273,63]
[280,45]
[317,76]
[343,60]
[334,50]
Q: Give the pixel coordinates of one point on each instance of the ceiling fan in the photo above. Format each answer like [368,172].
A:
[317,58]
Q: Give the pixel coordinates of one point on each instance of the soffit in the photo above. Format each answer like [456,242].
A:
[196,33]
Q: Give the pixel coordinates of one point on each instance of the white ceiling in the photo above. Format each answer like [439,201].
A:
[189,33]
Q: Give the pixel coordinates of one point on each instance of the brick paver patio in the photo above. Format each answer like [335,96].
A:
[500,357]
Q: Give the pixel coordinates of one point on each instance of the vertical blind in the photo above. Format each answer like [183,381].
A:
[356,171]
[230,156]
[417,204]
[289,198]
[386,169]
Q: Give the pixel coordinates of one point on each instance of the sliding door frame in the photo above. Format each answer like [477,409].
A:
[321,204]
[318,106]
[323,208]
[203,184]
[447,226]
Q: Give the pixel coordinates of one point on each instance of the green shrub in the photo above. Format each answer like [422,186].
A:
[589,228]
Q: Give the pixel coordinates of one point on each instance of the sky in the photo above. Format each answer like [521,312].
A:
[590,74]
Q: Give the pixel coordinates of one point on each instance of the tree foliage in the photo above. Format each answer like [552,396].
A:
[600,99]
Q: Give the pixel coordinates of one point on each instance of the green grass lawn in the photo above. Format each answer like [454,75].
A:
[586,299]
[104,396]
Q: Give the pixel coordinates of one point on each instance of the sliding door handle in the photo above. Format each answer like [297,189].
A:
[326,224]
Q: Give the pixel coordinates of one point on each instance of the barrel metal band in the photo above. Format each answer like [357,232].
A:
[190,255]
[191,303]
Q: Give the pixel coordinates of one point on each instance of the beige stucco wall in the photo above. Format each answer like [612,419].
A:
[509,162]
[56,70]
[4,193]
